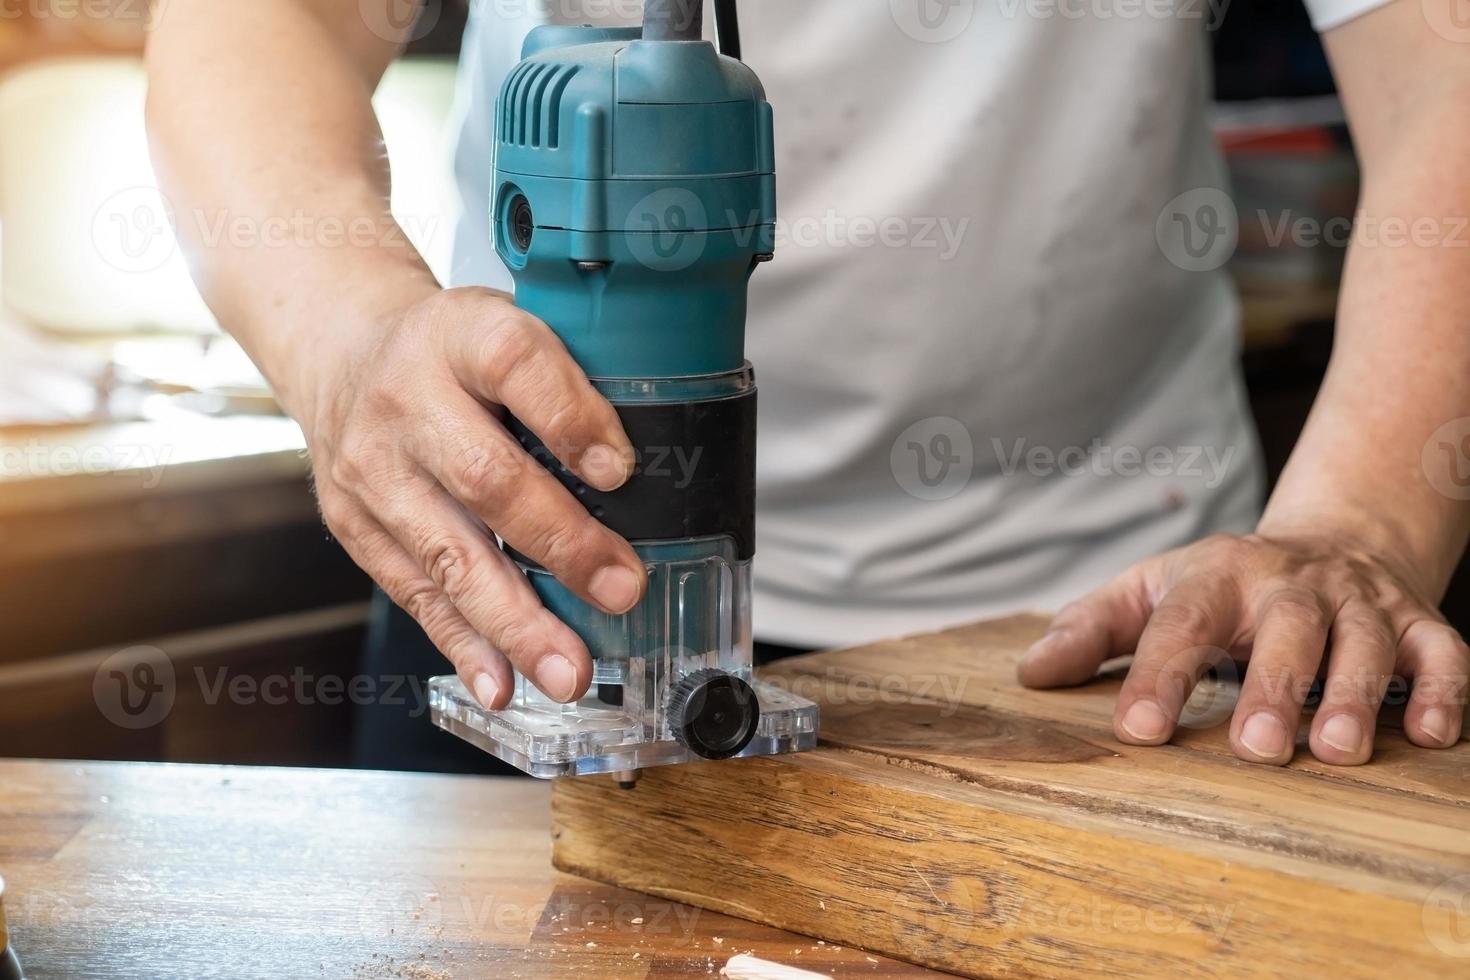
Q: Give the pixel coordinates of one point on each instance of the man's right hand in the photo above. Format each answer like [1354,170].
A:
[414,471]
[261,112]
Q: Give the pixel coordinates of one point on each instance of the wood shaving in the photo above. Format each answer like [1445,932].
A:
[747,967]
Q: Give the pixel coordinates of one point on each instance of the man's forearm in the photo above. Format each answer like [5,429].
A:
[265,141]
[1402,353]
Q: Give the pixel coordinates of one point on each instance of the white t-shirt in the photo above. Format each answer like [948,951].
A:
[994,367]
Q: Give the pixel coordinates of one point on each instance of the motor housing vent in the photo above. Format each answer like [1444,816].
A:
[531,112]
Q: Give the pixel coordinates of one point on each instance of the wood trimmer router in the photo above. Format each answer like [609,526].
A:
[633,197]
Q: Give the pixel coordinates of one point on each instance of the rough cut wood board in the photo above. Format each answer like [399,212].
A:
[953,819]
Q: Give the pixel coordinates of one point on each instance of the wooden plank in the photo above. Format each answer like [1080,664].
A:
[125,870]
[953,819]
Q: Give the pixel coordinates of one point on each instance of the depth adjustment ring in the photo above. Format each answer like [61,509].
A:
[713,714]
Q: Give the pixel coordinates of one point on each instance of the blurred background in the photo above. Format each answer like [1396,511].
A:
[157,529]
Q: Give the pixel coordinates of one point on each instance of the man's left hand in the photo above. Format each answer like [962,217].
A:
[1298,608]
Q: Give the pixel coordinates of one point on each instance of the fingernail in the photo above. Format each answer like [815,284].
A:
[604,467]
[615,588]
[1263,735]
[486,689]
[1145,721]
[1343,733]
[1436,725]
[556,676]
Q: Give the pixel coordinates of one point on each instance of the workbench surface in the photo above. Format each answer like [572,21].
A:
[117,869]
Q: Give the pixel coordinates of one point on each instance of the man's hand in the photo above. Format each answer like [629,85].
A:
[1357,545]
[260,112]
[414,470]
[1299,607]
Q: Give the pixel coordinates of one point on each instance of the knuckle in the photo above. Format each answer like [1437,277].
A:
[340,515]
[1167,681]
[513,347]
[457,645]
[1277,684]
[1447,689]
[1456,650]
[1301,607]
[563,418]
[1220,542]
[390,397]
[483,470]
[1185,621]
[1367,629]
[448,564]
[1227,550]
[345,467]
[560,543]
[1354,689]
[1074,613]
[419,600]
[506,629]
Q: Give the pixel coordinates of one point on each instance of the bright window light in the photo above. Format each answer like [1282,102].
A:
[87,244]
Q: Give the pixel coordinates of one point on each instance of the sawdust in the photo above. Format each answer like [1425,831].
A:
[422,971]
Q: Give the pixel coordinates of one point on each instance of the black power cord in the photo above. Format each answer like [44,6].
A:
[727,22]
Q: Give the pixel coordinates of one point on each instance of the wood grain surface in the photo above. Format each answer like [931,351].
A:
[953,819]
[163,871]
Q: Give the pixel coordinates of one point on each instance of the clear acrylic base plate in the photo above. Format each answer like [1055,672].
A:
[549,741]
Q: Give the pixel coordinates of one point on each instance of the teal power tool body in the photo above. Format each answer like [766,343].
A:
[633,197]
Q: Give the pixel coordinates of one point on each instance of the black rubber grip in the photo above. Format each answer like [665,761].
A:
[695,475]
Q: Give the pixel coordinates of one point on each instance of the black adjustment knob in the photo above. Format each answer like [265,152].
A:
[713,714]
[522,224]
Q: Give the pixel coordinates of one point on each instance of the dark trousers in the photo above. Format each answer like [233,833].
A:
[399,735]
